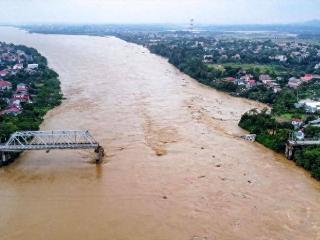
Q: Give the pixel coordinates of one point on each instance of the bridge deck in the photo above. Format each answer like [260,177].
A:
[304,142]
[49,140]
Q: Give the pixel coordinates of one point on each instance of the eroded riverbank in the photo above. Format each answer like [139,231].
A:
[208,182]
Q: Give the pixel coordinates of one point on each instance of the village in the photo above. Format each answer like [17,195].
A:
[13,94]
[283,72]
[249,64]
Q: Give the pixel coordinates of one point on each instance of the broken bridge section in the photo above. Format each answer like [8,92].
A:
[293,144]
[51,140]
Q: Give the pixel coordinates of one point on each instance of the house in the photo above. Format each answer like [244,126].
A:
[246,77]
[4,85]
[21,87]
[18,66]
[264,77]
[281,58]
[237,56]
[32,66]
[299,135]
[317,66]
[23,97]
[240,82]
[224,57]
[3,73]
[12,110]
[310,106]
[15,102]
[316,76]
[251,83]
[314,123]
[276,88]
[294,82]
[296,122]
[307,77]
[230,79]
[268,82]
[207,59]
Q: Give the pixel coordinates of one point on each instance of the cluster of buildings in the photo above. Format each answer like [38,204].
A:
[248,82]
[251,49]
[294,82]
[267,81]
[20,95]
[12,61]
[309,105]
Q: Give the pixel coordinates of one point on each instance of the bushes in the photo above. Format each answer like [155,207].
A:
[269,133]
[274,136]
[309,158]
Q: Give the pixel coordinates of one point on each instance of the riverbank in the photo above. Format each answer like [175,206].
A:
[28,90]
[135,103]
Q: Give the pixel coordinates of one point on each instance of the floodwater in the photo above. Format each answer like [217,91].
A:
[175,166]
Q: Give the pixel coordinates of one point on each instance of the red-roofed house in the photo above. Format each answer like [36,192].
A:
[264,77]
[296,122]
[13,110]
[3,73]
[4,85]
[251,83]
[230,79]
[22,97]
[307,77]
[21,87]
[18,66]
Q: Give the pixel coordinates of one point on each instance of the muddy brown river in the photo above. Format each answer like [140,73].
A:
[175,166]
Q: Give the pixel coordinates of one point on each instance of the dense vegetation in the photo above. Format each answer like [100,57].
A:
[274,134]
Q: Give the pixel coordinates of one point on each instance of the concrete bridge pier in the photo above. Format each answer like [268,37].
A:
[3,159]
[289,151]
[99,154]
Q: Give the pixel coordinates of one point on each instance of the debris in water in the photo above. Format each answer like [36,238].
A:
[164,197]
[249,137]
[160,152]
[203,176]
[199,238]
[218,165]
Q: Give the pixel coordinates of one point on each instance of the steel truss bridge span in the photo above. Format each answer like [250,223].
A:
[51,140]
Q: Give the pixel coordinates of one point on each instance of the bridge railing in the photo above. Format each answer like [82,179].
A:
[49,140]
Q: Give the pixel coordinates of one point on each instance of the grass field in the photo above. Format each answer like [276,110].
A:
[286,117]
[263,68]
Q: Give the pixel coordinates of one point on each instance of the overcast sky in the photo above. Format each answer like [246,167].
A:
[158,11]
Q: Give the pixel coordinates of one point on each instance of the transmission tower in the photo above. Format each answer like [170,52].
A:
[191,24]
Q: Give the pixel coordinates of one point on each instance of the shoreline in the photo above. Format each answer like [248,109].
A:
[265,105]
[37,92]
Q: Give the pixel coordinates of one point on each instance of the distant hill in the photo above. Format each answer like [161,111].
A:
[312,23]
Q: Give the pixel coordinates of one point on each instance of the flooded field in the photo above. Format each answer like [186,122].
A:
[175,166]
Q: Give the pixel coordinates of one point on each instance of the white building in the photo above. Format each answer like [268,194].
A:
[33,66]
[309,105]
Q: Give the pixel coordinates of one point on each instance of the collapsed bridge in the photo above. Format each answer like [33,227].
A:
[50,140]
